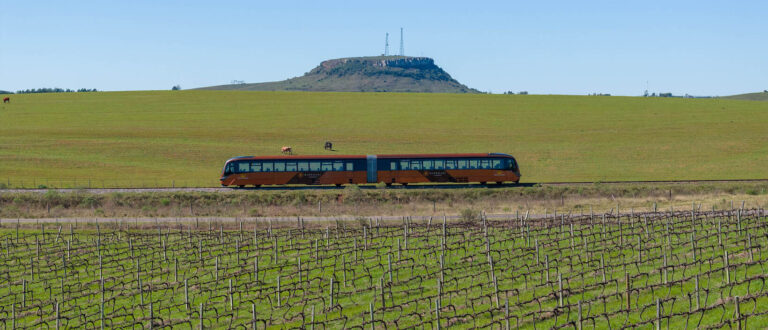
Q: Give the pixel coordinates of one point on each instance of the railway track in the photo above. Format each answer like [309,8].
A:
[416,186]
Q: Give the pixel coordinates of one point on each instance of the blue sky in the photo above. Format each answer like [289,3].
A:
[544,47]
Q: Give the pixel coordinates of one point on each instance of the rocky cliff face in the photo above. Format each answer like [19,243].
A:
[368,74]
[381,62]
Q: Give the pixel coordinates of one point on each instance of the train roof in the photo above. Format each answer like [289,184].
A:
[468,155]
[283,157]
[333,157]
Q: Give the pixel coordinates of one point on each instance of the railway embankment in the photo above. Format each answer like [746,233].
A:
[353,201]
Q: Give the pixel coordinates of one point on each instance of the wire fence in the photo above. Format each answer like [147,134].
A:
[676,269]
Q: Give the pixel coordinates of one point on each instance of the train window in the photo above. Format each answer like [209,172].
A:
[267,167]
[393,165]
[314,166]
[405,165]
[428,164]
[279,166]
[497,164]
[439,164]
[243,167]
[463,164]
[303,166]
[415,164]
[450,164]
[485,164]
[350,166]
[256,167]
[326,166]
[229,169]
[290,166]
[473,163]
[338,165]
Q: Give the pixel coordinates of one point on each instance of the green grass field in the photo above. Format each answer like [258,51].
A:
[160,137]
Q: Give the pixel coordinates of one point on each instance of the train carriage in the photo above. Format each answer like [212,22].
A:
[358,169]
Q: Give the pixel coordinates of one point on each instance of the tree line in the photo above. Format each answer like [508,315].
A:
[54,90]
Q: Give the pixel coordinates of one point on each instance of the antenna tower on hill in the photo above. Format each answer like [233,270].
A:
[386,45]
[402,49]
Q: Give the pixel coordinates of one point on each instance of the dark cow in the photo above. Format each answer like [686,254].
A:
[7,100]
[328,145]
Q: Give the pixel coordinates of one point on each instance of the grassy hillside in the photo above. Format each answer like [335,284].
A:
[351,83]
[140,138]
[403,74]
[763,96]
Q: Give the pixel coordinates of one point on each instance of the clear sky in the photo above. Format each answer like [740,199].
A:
[546,47]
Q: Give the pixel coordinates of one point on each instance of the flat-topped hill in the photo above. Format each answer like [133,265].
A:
[366,74]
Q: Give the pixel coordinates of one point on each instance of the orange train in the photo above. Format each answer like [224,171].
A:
[389,169]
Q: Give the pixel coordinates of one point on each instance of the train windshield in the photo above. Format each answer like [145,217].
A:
[512,164]
[229,168]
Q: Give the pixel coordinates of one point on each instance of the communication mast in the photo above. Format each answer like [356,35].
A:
[402,49]
[386,45]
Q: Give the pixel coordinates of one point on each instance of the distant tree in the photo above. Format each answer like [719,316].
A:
[53,90]
[523,93]
[5,92]
[765,91]
[176,88]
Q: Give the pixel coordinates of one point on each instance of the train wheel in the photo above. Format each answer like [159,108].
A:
[241,186]
[499,182]
[404,183]
[517,182]
[338,185]
[256,185]
[388,184]
[483,182]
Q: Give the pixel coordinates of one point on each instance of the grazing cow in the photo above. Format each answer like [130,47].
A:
[7,100]
[287,150]
[328,145]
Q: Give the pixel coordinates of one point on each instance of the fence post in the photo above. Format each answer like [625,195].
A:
[658,314]
[370,309]
[578,325]
[560,287]
[330,294]
[151,315]
[312,319]
[253,315]
[727,268]
[201,316]
[626,279]
[738,314]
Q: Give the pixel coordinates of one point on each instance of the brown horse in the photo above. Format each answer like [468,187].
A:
[287,150]
[6,100]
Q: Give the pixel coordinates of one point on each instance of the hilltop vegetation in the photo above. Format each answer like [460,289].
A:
[150,138]
[762,96]
[366,74]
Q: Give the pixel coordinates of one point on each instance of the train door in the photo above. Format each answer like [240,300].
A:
[371,169]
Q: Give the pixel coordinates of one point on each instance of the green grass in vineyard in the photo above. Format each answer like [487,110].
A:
[484,274]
